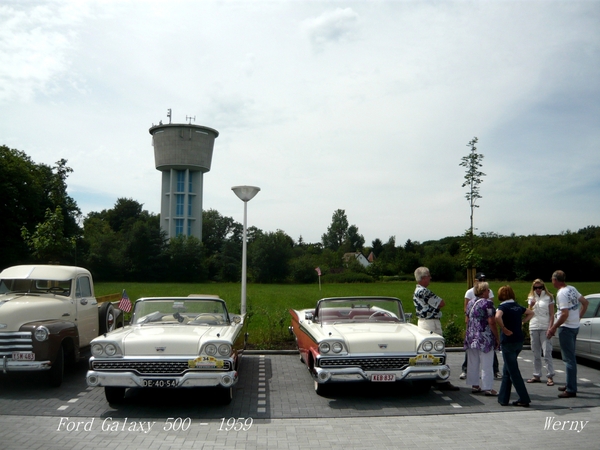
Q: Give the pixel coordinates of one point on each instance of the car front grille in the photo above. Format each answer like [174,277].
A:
[17,341]
[372,364]
[151,367]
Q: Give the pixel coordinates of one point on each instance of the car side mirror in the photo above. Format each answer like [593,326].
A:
[308,316]
[407,317]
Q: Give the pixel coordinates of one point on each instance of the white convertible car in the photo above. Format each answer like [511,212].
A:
[177,342]
[366,339]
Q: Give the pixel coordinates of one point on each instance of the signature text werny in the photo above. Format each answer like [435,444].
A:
[564,425]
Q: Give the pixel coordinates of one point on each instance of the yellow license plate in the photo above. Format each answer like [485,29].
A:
[424,360]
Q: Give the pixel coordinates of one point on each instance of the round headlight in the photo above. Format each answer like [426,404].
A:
[41,334]
[439,346]
[324,347]
[210,349]
[224,349]
[427,346]
[97,350]
[110,349]
[337,347]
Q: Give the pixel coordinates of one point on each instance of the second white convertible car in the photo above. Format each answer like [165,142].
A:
[176,342]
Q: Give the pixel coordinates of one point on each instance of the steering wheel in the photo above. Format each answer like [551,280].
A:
[56,289]
[380,313]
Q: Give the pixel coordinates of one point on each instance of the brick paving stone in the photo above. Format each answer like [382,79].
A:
[352,417]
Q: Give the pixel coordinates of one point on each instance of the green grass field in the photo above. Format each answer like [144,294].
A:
[268,304]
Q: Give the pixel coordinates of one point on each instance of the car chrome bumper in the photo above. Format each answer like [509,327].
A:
[433,373]
[8,365]
[187,380]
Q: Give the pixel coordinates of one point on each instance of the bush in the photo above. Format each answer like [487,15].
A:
[347,277]
[453,333]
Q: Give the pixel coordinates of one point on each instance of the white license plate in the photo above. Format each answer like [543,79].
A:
[159,383]
[23,356]
[383,377]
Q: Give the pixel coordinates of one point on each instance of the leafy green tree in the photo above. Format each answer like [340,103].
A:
[377,247]
[337,232]
[302,269]
[124,214]
[48,242]
[443,267]
[473,178]
[104,249]
[57,187]
[216,229]
[355,240]
[270,255]
[21,203]
[186,260]
[145,249]
[27,191]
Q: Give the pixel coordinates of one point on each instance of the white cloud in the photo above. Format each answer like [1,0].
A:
[367,109]
[339,25]
[35,43]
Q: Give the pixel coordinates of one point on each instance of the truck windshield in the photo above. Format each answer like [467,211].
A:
[21,286]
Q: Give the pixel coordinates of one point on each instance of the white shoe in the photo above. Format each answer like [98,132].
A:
[463,376]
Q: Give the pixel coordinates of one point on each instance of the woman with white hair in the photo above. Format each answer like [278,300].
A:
[481,339]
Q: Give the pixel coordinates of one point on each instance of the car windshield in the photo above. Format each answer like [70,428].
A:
[359,310]
[181,311]
[27,286]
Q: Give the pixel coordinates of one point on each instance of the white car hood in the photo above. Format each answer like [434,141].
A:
[374,337]
[176,340]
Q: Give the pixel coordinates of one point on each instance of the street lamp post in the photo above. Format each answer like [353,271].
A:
[245,194]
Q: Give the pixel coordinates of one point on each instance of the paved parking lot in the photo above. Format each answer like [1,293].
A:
[275,406]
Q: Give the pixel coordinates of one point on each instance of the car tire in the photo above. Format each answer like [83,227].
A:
[107,317]
[421,387]
[322,389]
[224,396]
[57,370]
[114,394]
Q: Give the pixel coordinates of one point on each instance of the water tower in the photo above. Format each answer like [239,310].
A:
[183,153]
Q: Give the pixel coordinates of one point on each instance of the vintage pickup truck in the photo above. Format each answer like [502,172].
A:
[48,313]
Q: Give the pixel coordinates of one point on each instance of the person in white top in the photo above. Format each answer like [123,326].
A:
[571,307]
[541,302]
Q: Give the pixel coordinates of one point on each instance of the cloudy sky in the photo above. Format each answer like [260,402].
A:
[326,105]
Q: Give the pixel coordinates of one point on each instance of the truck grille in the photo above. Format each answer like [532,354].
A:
[150,367]
[17,341]
[380,363]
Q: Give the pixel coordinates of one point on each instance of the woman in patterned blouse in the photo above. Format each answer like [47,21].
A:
[481,340]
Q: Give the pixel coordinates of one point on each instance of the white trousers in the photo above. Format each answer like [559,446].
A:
[480,365]
[431,325]
[541,345]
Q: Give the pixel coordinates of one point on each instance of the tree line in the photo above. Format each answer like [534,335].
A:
[40,222]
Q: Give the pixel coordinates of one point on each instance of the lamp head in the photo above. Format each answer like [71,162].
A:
[245,193]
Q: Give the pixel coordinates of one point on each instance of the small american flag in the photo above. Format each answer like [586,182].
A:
[125,303]
[318,269]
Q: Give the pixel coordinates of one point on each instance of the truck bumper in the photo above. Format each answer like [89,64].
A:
[8,365]
[191,379]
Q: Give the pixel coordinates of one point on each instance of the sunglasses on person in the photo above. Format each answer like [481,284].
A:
[538,287]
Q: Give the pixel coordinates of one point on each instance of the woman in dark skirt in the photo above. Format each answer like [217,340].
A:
[510,317]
